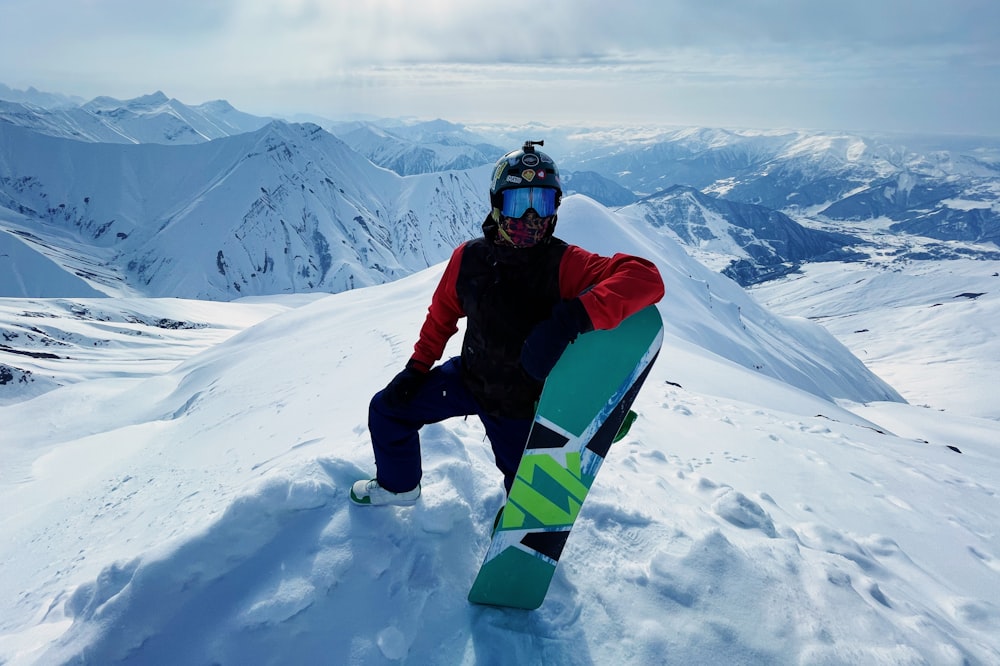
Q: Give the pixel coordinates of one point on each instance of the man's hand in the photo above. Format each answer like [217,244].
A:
[549,339]
[406,384]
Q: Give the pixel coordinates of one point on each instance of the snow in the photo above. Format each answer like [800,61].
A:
[19,263]
[182,498]
[967,204]
[929,329]
[285,209]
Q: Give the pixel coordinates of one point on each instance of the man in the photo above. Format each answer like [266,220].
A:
[526,295]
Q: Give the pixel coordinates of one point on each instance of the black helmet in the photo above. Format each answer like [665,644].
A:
[522,168]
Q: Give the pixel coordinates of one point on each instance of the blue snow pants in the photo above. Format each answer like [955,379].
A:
[394,429]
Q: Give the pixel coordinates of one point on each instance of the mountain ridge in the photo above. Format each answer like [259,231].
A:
[152,118]
[833,185]
[289,200]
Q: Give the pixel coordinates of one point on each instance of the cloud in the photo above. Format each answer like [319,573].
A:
[46,23]
[530,31]
[436,56]
[732,42]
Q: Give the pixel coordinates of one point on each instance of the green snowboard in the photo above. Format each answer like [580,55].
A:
[585,400]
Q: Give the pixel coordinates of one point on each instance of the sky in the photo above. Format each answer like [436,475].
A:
[929,66]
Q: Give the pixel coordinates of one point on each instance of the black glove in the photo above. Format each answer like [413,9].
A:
[405,385]
[547,342]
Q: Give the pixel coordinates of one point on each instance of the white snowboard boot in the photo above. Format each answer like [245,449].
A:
[367,492]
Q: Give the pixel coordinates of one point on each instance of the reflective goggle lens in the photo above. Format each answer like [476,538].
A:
[517,201]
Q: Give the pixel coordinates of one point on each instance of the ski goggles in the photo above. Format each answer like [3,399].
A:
[517,201]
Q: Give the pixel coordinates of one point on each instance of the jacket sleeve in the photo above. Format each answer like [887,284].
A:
[442,315]
[610,288]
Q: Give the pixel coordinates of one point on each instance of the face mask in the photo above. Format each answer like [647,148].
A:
[525,231]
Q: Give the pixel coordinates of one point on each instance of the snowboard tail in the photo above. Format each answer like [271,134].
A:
[584,403]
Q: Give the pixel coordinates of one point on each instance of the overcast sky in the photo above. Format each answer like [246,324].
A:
[889,65]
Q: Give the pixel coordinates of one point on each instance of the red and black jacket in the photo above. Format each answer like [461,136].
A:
[504,292]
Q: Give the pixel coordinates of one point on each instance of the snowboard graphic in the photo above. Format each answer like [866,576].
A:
[585,400]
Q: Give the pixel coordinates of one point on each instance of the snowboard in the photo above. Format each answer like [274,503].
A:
[585,400]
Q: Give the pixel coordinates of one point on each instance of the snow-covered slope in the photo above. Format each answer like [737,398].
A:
[47,343]
[929,328]
[201,515]
[24,271]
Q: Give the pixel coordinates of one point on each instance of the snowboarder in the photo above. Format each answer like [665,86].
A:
[526,295]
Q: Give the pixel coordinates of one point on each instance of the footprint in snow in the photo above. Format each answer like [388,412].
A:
[741,511]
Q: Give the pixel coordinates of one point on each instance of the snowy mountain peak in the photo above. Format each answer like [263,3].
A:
[150,102]
[288,208]
[153,118]
[153,99]
[220,106]
[35,97]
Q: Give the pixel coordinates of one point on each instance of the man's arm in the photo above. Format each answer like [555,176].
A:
[616,287]
[442,316]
